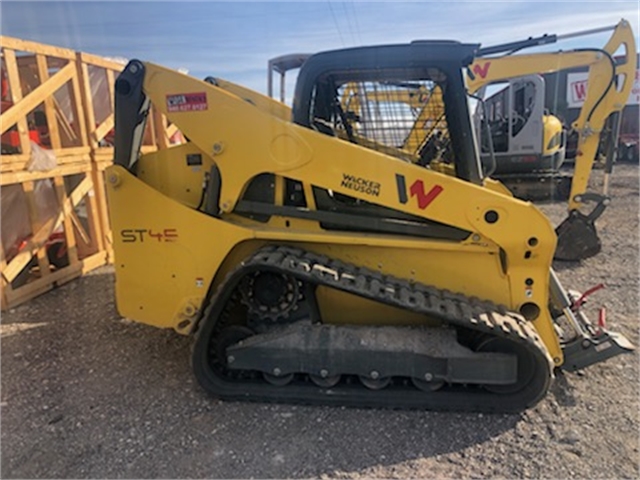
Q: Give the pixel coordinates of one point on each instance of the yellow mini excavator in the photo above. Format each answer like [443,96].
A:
[314,263]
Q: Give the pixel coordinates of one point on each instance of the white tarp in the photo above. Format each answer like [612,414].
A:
[577,89]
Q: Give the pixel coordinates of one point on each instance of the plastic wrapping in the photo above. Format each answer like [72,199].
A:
[16,226]
[15,219]
[41,159]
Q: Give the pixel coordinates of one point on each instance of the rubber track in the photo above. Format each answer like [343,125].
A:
[453,308]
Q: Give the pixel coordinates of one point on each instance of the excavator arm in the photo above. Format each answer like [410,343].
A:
[609,85]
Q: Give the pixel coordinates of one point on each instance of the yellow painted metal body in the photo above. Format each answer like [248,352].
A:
[264,103]
[551,131]
[168,255]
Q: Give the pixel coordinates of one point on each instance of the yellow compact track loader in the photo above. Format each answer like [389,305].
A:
[315,262]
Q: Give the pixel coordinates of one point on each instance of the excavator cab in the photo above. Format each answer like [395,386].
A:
[528,143]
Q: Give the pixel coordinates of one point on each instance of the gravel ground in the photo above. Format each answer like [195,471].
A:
[88,394]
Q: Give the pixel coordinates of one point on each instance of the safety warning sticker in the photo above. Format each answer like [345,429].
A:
[187,102]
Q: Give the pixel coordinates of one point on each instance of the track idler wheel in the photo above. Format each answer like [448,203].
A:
[326,381]
[375,383]
[278,380]
[427,385]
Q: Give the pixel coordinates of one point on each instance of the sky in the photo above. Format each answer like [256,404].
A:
[235,40]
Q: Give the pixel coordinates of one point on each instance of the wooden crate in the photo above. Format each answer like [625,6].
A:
[41,103]
[52,230]
[98,78]
[61,101]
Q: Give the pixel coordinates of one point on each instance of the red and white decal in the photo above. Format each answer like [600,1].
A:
[483,70]
[577,89]
[187,102]
[417,190]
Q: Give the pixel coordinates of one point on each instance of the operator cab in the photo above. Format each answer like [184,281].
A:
[407,101]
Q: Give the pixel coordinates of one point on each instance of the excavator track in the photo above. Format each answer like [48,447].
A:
[469,316]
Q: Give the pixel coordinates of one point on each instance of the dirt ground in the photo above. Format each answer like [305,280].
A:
[88,394]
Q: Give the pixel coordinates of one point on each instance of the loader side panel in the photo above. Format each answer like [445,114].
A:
[165,253]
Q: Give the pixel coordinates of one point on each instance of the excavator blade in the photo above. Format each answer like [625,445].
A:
[538,187]
[577,238]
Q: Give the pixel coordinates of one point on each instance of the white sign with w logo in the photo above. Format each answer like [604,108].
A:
[577,89]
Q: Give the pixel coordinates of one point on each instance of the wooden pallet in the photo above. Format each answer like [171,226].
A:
[63,101]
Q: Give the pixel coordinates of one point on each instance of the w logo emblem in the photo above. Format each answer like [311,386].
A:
[416,190]
[481,71]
